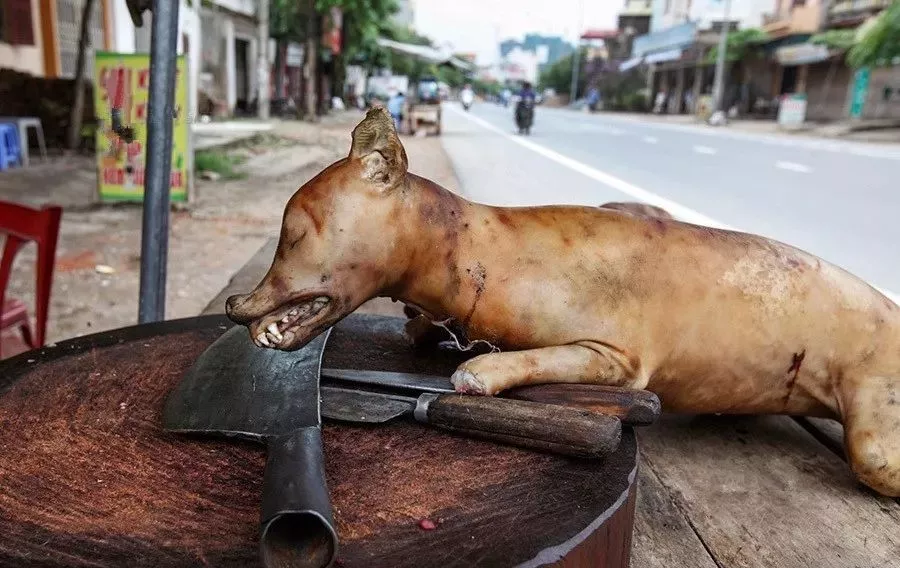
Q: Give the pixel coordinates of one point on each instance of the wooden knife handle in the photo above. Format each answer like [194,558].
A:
[633,407]
[547,427]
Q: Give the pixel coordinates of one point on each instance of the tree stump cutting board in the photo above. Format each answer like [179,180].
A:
[87,477]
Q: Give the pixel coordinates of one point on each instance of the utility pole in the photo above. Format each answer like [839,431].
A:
[719,81]
[576,58]
[160,110]
[263,71]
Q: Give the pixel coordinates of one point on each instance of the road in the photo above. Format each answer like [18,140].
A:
[838,200]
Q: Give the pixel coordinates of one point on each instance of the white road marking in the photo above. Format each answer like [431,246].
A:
[651,139]
[864,149]
[601,128]
[705,150]
[680,211]
[793,167]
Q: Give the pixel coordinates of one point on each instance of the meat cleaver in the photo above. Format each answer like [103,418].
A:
[238,390]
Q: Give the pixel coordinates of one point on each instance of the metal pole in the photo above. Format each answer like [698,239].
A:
[573,90]
[576,57]
[160,113]
[263,72]
[719,81]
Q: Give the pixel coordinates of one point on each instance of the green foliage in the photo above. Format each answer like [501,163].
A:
[835,39]
[559,75]
[364,22]
[880,43]
[739,44]
[218,162]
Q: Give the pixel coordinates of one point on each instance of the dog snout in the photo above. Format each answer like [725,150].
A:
[234,309]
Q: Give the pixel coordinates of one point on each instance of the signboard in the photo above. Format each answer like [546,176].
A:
[122,82]
[676,37]
[860,92]
[331,30]
[294,56]
[801,54]
[792,110]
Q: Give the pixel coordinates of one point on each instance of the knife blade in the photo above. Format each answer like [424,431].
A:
[558,429]
[632,406]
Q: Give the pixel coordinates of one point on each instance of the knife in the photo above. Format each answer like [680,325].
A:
[547,427]
[632,406]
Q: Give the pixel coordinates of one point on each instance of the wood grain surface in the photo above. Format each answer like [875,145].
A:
[89,479]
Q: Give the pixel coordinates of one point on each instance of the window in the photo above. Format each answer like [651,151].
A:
[16,27]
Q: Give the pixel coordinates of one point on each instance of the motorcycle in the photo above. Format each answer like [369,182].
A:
[467,98]
[525,115]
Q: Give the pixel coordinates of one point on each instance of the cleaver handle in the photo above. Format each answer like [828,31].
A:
[546,427]
[297,526]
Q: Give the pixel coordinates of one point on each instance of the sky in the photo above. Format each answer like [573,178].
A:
[480,25]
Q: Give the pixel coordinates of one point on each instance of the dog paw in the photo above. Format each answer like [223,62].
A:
[466,382]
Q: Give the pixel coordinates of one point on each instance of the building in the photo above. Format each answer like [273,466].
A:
[21,36]
[229,53]
[40,37]
[682,33]
[126,38]
[548,49]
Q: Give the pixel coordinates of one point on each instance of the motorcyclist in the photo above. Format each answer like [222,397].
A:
[525,108]
[527,94]
[467,96]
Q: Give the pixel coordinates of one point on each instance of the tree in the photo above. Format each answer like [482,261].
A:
[879,42]
[77,113]
[740,43]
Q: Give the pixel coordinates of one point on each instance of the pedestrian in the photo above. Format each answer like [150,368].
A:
[659,104]
[593,98]
[395,107]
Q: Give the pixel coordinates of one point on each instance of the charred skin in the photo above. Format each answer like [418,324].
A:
[712,321]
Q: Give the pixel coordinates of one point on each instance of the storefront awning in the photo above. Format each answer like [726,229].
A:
[801,54]
[425,53]
[630,63]
[661,56]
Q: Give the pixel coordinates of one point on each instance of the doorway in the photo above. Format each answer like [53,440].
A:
[242,74]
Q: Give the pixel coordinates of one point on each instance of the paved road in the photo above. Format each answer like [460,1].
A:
[839,200]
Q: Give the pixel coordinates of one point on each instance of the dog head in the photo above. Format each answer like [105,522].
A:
[338,238]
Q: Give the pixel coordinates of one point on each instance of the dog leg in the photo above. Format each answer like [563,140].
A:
[872,432]
[583,362]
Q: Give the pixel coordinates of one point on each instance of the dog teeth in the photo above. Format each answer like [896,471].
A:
[262,339]
[293,312]
[274,334]
[286,319]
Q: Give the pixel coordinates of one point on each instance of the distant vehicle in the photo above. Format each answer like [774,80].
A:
[524,115]
[467,97]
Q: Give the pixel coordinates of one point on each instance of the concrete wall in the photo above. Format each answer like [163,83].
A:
[876,105]
[749,13]
[27,58]
[826,91]
[128,39]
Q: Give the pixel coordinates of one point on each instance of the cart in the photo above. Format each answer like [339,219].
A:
[425,106]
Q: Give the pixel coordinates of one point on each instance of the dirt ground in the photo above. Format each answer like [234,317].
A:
[210,239]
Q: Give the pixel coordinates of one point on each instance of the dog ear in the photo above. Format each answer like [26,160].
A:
[376,143]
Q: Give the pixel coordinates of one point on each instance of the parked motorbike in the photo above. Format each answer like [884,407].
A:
[525,115]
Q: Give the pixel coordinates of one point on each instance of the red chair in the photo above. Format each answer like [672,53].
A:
[20,225]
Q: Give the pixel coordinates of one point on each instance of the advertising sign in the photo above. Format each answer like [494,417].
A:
[860,92]
[792,110]
[122,85]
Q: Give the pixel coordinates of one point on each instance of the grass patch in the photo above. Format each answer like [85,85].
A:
[219,162]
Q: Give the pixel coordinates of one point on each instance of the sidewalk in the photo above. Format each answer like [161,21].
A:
[881,131]
[98,258]
[876,130]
